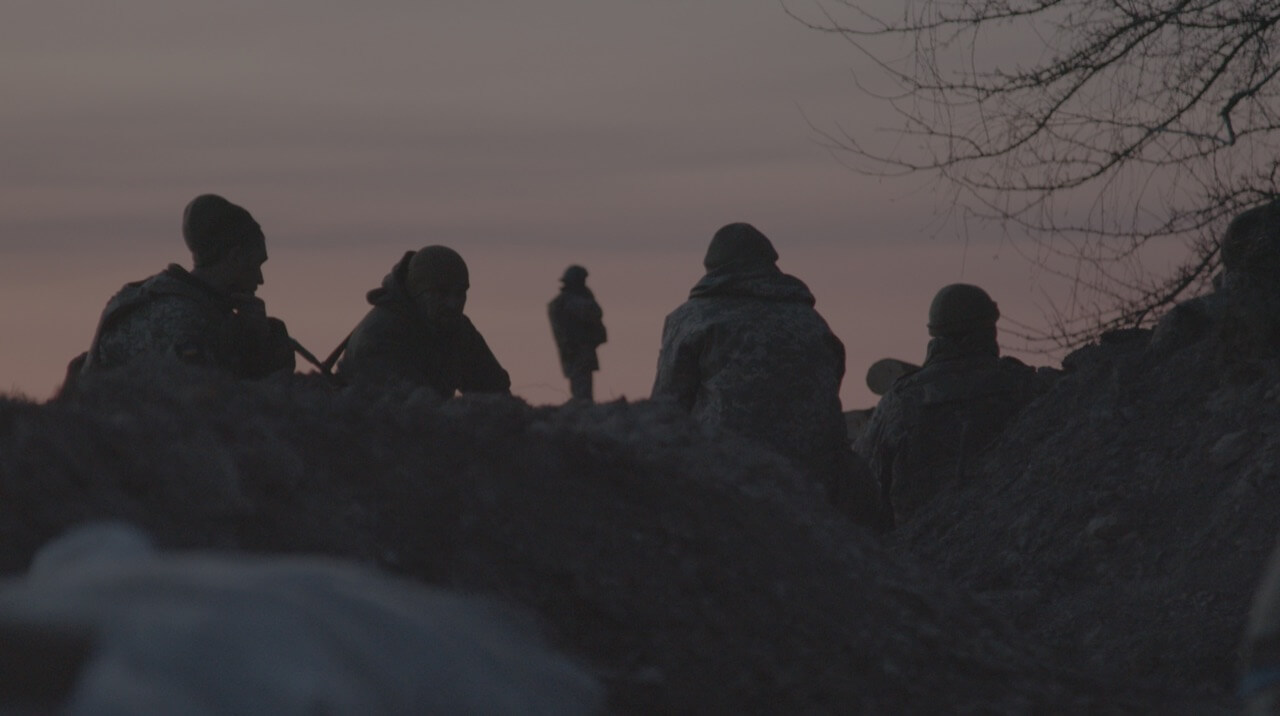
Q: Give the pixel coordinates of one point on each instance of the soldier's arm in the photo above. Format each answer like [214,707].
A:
[678,375]
[584,314]
[378,351]
[592,311]
[275,354]
[876,444]
[483,374]
[598,333]
[262,342]
[837,349]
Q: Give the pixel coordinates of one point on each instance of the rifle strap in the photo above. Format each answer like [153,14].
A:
[326,366]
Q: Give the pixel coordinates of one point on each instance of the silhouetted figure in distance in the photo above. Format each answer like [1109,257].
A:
[1243,311]
[577,325]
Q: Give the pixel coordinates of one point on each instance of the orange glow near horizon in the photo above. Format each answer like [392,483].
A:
[618,136]
[874,297]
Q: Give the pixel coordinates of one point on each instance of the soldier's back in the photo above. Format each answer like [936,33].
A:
[933,424]
[161,316]
[769,371]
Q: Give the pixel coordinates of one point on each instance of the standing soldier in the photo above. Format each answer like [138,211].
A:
[207,316]
[578,329]
[417,333]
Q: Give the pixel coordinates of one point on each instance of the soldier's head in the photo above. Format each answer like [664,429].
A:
[1251,244]
[438,280]
[739,247]
[574,277]
[227,245]
[961,309]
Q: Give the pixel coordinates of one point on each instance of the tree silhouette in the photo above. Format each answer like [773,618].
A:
[1092,130]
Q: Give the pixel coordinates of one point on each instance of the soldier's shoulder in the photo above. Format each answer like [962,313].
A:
[926,375]
[380,323]
[958,382]
[465,325]
[689,313]
[887,418]
[131,293]
[1110,346]
[1014,367]
[905,392]
[565,304]
[158,294]
[164,313]
[1188,322]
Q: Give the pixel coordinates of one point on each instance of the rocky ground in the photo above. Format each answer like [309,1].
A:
[1124,520]
[1102,564]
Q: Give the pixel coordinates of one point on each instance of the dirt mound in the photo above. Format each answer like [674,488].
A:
[694,574]
[1124,519]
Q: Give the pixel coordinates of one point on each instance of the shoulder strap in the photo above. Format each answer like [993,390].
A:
[326,366]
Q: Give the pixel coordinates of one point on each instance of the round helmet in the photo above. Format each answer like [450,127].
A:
[438,268]
[961,308]
[1251,243]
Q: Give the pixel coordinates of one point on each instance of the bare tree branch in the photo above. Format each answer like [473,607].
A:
[1132,124]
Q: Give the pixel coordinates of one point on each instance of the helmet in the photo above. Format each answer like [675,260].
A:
[1251,243]
[961,308]
[437,268]
[575,275]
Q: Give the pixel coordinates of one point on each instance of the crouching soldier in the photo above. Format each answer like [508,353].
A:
[208,316]
[931,425]
[748,354]
[416,331]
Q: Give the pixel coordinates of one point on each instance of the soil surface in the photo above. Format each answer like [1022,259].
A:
[1124,520]
[1103,563]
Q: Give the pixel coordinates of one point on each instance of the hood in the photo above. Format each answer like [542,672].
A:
[766,284]
[173,281]
[177,281]
[740,247]
[395,285]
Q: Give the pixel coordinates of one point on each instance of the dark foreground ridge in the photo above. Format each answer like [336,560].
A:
[1125,519]
[697,574]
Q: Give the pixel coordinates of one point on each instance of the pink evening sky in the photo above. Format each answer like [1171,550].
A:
[528,136]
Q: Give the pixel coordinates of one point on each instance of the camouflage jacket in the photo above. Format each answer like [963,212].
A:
[395,343]
[1242,313]
[932,424]
[577,325]
[748,353]
[175,314]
